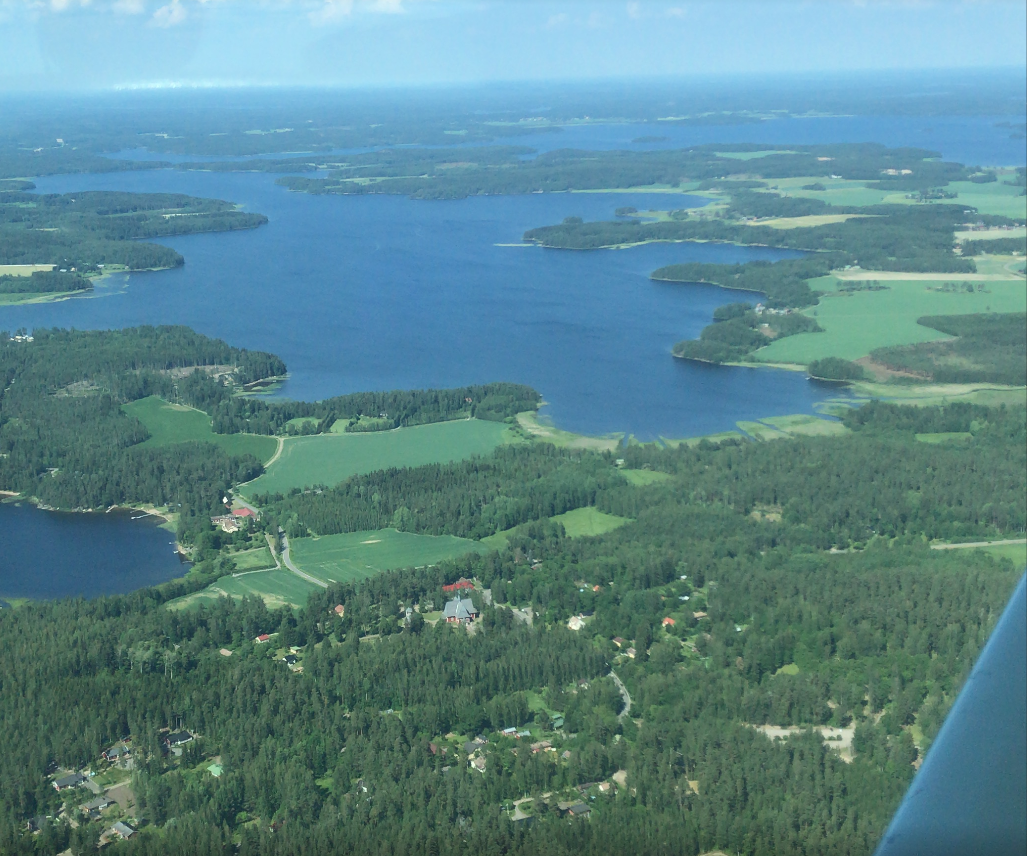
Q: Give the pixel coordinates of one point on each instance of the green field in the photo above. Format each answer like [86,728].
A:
[1016,553]
[759,431]
[855,324]
[276,588]
[356,555]
[993,198]
[251,560]
[331,458]
[641,478]
[588,521]
[840,191]
[175,423]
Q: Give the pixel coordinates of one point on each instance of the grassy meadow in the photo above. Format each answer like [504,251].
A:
[275,588]
[332,458]
[356,555]
[642,478]
[856,323]
[588,521]
[176,423]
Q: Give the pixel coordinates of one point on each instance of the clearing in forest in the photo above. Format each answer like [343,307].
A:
[589,521]
[175,423]
[327,459]
[356,555]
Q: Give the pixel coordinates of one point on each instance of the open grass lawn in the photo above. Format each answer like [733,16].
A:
[589,521]
[356,555]
[331,458]
[855,324]
[175,423]
[276,588]
[249,560]
[641,478]
[1016,553]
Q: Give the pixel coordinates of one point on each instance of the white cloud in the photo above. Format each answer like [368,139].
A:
[129,7]
[170,14]
[634,9]
[676,12]
[558,20]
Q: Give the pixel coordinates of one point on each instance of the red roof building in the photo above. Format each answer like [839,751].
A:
[669,622]
[457,586]
[260,640]
[243,512]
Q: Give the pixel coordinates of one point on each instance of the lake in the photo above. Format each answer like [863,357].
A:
[383,292]
[47,554]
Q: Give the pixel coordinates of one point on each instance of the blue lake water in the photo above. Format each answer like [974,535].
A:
[48,554]
[378,292]
[383,292]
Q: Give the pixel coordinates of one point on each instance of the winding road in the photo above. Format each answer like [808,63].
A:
[294,569]
[623,694]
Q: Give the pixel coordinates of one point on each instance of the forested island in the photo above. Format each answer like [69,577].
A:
[79,235]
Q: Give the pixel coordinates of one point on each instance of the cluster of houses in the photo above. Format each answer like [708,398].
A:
[234,520]
[760,309]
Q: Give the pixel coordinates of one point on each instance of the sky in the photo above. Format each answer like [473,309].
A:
[69,44]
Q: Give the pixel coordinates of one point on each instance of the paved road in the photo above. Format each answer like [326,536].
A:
[623,694]
[978,544]
[294,569]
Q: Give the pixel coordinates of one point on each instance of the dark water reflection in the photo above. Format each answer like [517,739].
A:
[47,554]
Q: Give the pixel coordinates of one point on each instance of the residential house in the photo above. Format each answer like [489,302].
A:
[538,747]
[70,781]
[669,622]
[244,513]
[123,830]
[178,738]
[226,522]
[290,660]
[579,810]
[698,615]
[260,640]
[509,732]
[459,585]
[522,733]
[557,722]
[576,622]
[479,763]
[116,753]
[460,610]
[618,641]
[339,610]
[95,806]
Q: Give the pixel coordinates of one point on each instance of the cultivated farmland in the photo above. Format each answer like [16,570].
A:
[175,423]
[331,458]
[356,555]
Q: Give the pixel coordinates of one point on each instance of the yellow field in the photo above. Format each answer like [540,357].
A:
[22,270]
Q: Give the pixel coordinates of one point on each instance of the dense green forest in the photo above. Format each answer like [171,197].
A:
[456,173]
[65,440]
[991,348]
[44,282]
[87,230]
[770,626]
